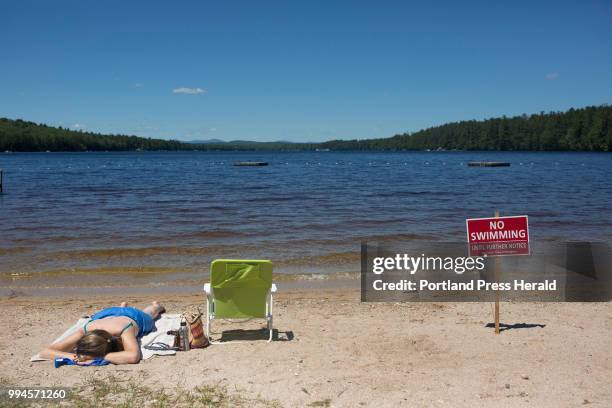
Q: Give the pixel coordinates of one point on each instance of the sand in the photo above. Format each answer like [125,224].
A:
[331,346]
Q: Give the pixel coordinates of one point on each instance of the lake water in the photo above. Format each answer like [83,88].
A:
[72,216]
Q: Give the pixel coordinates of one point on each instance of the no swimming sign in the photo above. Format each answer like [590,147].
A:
[498,236]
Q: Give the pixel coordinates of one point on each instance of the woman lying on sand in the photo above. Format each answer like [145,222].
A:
[111,334]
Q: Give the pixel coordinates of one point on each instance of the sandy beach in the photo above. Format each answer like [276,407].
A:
[333,350]
[432,158]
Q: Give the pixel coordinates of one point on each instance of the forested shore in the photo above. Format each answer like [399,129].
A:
[584,129]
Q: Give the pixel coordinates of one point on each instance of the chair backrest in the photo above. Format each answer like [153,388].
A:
[240,287]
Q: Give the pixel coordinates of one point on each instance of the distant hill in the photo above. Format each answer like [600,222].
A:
[584,129]
[206,141]
[17,135]
[234,142]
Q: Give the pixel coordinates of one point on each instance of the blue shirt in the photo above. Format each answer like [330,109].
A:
[143,320]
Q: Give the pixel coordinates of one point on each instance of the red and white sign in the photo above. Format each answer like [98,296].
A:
[498,236]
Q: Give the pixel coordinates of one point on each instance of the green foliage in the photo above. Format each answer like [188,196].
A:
[585,129]
[20,136]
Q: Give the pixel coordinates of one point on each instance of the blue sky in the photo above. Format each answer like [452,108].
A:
[297,70]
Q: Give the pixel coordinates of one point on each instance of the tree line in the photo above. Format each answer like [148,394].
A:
[584,129]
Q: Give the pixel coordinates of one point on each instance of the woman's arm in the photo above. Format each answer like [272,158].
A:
[62,348]
[131,349]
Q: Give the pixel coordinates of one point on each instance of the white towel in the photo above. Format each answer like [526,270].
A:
[163,324]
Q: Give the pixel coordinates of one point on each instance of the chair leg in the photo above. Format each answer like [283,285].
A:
[270,321]
[270,328]
[208,320]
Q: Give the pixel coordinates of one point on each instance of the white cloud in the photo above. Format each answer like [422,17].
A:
[189,91]
[551,76]
[78,126]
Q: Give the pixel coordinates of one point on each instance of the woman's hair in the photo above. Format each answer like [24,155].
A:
[97,343]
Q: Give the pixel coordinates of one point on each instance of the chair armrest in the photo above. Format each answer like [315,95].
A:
[273,289]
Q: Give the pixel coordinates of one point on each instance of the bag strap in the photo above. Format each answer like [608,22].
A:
[191,316]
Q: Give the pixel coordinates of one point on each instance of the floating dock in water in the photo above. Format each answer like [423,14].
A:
[488,164]
[250,163]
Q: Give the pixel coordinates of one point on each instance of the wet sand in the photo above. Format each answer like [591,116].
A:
[146,281]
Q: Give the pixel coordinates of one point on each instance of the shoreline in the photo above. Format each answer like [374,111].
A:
[130,285]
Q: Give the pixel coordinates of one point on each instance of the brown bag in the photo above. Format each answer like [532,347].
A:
[197,339]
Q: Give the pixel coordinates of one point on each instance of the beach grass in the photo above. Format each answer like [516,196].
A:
[112,391]
[321,403]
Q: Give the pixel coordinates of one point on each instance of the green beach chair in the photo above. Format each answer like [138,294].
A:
[239,289]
